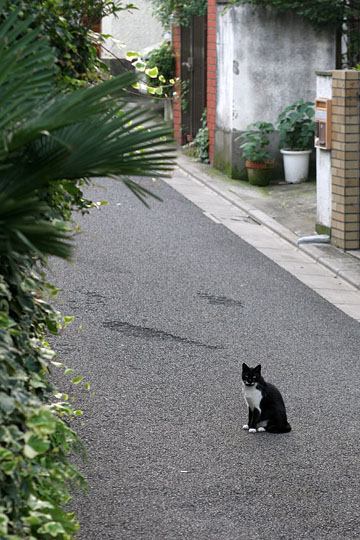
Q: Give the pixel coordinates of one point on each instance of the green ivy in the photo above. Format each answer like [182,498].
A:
[163,59]
[318,12]
[343,15]
[35,438]
[68,24]
[178,12]
[157,70]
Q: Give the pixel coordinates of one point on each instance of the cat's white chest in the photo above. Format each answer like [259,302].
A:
[252,396]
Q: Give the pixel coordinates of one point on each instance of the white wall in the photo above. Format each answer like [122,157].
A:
[225,44]
[272,58]
[133,31]
[265,61]
[323,161]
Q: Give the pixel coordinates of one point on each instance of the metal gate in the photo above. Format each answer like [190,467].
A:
[193,76]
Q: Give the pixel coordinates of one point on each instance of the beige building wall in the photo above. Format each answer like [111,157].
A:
[131,31]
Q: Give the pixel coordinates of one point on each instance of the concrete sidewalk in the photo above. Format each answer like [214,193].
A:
[287,210]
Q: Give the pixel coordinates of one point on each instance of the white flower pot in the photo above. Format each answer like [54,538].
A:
[296,165]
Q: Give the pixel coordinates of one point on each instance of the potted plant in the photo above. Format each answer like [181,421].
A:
[254,144]
[296,128]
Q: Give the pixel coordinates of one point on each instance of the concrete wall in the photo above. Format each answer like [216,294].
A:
[266,61]
[132,31]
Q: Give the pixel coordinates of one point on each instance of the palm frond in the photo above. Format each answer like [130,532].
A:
[24,230]
[26,70]
[140,192]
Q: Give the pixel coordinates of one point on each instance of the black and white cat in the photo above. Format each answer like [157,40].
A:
[266,406]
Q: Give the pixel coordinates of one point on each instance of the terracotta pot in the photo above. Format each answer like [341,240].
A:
[269,164]
[259,174]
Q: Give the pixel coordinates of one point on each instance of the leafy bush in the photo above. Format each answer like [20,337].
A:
[68,25]
[46,138]
[163,60]
[178,12]
[201,141]
[341,15]
[35,439]
[156,70]
[296,126]
[255,140]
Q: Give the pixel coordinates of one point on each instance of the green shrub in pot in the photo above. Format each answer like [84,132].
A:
[296,129]
[255,149]
[296,126]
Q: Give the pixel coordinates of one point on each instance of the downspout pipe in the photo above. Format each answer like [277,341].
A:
[314,239]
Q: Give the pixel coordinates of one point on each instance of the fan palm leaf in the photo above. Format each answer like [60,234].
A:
[23,230]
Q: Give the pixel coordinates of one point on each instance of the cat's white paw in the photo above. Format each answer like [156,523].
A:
[252,430]
[245,426]
[261,429]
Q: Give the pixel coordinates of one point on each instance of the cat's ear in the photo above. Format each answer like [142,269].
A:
[258,368]
[244,366]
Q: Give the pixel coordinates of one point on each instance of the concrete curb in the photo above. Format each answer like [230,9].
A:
[343,268]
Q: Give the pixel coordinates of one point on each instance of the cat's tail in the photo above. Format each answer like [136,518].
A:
[279,429]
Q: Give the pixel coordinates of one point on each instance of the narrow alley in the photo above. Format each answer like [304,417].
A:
[167,305]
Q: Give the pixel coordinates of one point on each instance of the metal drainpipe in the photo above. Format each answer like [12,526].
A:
[314,239]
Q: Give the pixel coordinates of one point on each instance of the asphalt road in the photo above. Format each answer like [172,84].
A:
[168,305]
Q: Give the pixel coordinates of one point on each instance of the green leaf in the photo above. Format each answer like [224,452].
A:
[102,203]
[57,364]
[52,326]
[52,528]
[152,72]
[35,446]
[68,319]
[5,454]
[132,55]
[7,403]
[4,522]
[5,321]
[8,467]
[39,504]
[33,519]
[43,422]
[77,379]
[140,66]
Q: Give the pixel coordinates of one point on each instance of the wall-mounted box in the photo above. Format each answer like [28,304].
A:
[323,123]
